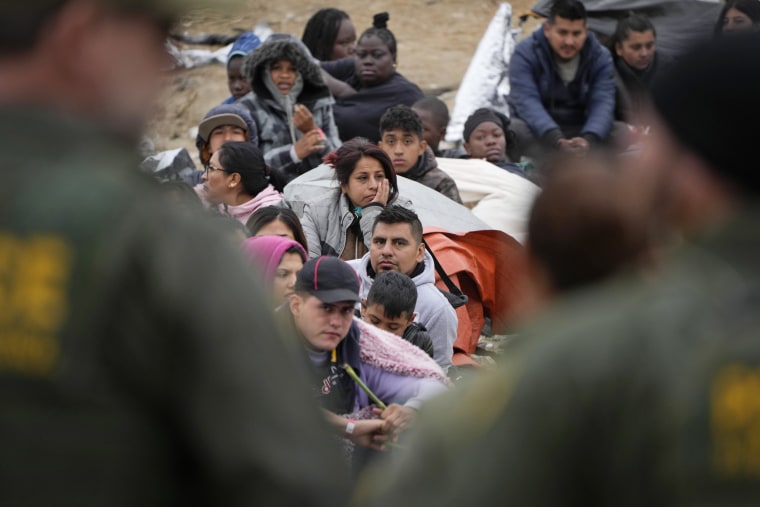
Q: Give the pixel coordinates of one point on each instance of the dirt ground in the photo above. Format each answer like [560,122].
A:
[436,39]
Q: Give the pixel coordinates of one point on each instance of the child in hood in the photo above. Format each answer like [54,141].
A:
[291,106]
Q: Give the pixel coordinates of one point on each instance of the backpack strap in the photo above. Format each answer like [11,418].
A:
[442,273]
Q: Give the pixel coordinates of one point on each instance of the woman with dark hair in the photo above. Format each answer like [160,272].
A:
[277,221]
[330,35]
[739,16]
[368,83]
[279,260]
[236,181]
[487,136]
[341,224]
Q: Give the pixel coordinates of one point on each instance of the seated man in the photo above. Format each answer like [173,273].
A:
[390,306]
[434,115]
[637,63]
[396,245]
[562,84]
[398,373]
[401,139]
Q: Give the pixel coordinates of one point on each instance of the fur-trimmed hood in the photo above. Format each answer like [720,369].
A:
[258,62]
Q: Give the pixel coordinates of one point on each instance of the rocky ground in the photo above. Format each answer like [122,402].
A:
[436,40]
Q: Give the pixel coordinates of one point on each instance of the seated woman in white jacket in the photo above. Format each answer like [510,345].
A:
[340,224]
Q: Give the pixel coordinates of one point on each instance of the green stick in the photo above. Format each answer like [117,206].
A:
[355,377]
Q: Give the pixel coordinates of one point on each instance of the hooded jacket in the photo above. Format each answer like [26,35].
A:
[433,309]
[327,219]
[273,112]
[539,97]
[426,171]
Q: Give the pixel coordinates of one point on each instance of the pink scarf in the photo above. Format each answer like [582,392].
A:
[396,355]
[267,197]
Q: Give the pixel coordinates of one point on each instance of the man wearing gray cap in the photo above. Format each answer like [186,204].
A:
[645,392]
[128,376]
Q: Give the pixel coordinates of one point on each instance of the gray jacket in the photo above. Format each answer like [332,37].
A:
[326,219]
[433,309]
[274,121]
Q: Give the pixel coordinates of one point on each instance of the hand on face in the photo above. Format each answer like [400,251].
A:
[383,191]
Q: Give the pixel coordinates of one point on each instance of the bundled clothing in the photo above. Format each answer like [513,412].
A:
[433,309]
[333,228]
[426,171]
[554,109]
[358,114]
[393,369]
[273,112]
[267,197]
[633,85]
[242,212]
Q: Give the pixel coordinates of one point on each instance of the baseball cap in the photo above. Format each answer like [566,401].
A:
[218,120]
[329,279]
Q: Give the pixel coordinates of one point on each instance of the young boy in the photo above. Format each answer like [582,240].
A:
[390,306]
[236,81]
[401,139]
[434,115]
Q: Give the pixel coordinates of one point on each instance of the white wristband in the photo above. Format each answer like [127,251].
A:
[350,426]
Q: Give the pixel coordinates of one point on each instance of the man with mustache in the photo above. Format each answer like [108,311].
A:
[397,245]
[562,85]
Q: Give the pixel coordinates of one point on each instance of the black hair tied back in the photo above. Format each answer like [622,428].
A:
[381,20]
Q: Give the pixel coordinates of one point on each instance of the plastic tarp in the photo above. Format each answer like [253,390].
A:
[487,266]
[501,199]
[678,23]
[486,81]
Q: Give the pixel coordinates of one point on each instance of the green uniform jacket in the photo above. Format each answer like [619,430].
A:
[139,363]
[638,393]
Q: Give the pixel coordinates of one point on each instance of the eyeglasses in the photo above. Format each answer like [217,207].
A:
[210,168]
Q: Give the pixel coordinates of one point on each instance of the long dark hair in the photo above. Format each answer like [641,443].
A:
[749,7]
[268,214]
[247,160]
[344,161]
[321,31]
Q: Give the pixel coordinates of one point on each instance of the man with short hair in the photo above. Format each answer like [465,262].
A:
[562,84]
[398,373]
[396,245]
[401,139]
[128,376]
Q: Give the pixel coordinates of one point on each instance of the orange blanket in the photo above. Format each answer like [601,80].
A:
[487,266]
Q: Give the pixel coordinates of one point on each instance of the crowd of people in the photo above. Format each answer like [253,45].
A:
[201,342]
